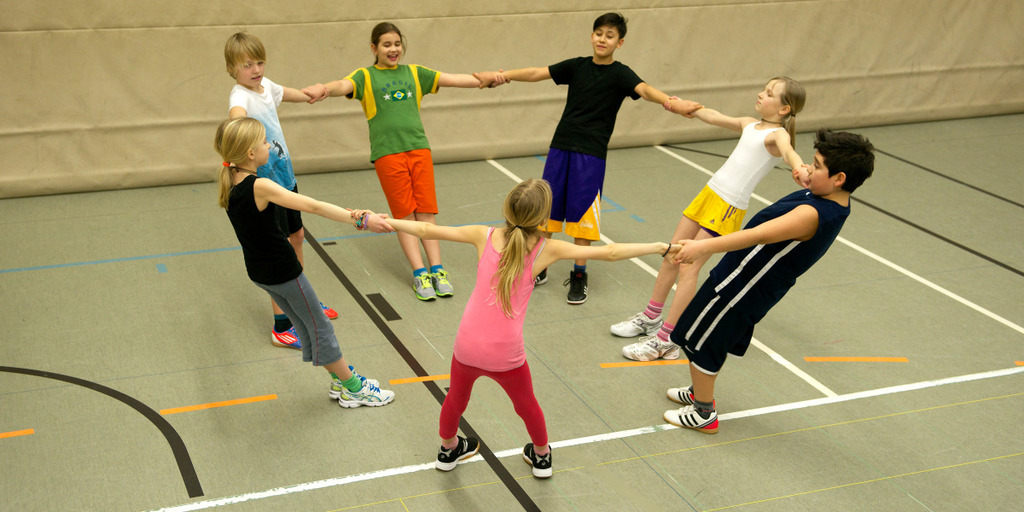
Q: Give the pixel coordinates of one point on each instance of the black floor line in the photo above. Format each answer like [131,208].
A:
[918,227]
[950,178]
[499,469]
[188,471]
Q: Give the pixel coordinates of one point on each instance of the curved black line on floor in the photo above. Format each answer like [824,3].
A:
[918,227]
[499,469]
[188,471]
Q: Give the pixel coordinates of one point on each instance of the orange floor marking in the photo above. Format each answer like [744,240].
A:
[419,379]
[219,404]
[16,433]
[857,359]
[1019,363]
[643,363]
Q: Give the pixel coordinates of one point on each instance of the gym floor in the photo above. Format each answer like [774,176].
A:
[137,371]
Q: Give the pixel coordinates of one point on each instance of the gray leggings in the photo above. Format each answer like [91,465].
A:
[298,300]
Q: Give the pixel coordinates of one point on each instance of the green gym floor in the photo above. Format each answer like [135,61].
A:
[136,370]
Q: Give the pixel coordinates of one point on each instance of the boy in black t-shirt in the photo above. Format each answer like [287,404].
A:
[575,164]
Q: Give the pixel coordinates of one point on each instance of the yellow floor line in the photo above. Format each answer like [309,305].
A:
[225,403]
[16,433]
[643,363]
[411,380]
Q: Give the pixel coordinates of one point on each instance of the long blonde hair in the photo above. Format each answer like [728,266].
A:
[794,96]
[526,207]
[234,139]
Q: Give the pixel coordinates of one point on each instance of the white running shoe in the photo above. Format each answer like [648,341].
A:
[650,348]
[637,325]
[369,395]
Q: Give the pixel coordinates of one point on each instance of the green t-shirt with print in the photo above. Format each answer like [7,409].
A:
[391,101]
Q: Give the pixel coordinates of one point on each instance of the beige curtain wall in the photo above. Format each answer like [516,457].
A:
[105,95]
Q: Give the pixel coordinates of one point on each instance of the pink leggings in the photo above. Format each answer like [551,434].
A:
[518,385]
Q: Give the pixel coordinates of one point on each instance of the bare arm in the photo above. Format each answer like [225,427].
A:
[783,144]
[651,94]
[457,80]
[237,112]
[716,118]
[473,234]
[319,92]
[559,250]
[527,74]
[798,224]
[266,191]
[294,95]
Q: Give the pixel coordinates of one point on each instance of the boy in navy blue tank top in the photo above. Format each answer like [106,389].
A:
[762,263]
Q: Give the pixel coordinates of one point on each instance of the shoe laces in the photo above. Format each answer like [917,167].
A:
[424,280]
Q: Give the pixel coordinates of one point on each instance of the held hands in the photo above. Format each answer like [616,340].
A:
[802,175]
[491,79]
[366,219]
[685,108]
[689,251]
[316,92]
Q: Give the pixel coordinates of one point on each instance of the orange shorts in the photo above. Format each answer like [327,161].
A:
[407,179]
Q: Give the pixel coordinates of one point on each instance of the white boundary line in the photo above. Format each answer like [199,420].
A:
[611,436]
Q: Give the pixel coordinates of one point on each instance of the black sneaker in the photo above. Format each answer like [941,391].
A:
[541,464]
[541,278]
[577,284]
[448,459]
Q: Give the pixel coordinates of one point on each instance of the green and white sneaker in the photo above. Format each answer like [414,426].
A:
[336,386]
[442,286]
[369,395]
[423,287]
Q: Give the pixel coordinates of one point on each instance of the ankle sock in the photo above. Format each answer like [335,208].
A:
[282,323]
[704,409]
[665,331]
[654,309]
[454,445]
[435,268]
[354,383]
[577,268]
[420,271]
[535,450]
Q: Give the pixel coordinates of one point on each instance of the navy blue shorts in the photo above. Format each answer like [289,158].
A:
[709,330]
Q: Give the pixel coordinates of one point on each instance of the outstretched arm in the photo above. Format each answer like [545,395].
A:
[319,92]
[294,95]
[799,224]
[473,234]
[559,250]
[266,191]
[527,74]
[458,80]
[714,117]
[781,140]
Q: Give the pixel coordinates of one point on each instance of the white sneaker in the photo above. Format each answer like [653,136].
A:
[637,325]
[368,395]
[650,348]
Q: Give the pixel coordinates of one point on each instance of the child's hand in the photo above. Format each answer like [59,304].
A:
[802,175]
[688,252]
[316,92]
[685,108]
[490,79]
[376,222]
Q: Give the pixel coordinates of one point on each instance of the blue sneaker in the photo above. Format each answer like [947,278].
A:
[288,338]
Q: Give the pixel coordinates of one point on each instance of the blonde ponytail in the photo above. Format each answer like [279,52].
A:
[234,139]
[794,97]
[526,207]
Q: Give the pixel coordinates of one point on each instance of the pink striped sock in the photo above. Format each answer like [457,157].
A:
[653,309]
[665,331]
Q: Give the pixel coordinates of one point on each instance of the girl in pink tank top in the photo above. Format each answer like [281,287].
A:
[489,341]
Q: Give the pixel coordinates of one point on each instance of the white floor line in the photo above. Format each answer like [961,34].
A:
[654,272]
[415,468]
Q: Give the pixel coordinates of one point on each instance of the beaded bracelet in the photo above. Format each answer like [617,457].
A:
[361,222]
